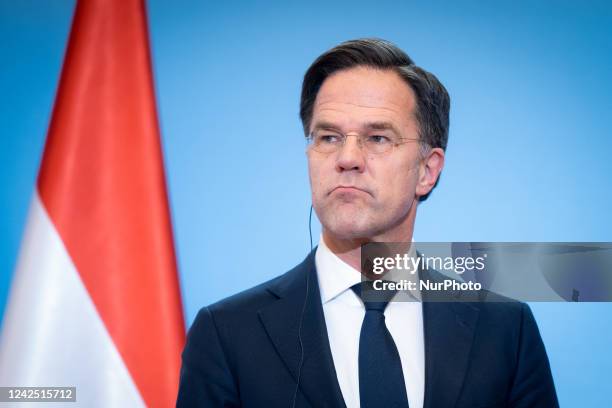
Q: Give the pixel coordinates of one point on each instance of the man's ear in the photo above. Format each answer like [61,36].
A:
[429,171]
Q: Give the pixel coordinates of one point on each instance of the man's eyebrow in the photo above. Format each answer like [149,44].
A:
[380,126]
[367,126]
[325,126]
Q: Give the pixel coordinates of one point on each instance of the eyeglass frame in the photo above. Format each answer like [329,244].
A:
[361,140]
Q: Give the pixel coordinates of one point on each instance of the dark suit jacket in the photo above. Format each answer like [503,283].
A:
[244,351]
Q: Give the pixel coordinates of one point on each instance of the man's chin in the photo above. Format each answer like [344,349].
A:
[348,221]
[348,230]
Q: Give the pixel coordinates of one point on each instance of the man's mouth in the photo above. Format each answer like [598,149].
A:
[346,190]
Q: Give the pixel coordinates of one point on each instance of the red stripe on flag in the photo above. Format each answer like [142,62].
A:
[102,183]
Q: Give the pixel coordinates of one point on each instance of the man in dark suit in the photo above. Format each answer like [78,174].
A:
[310,338]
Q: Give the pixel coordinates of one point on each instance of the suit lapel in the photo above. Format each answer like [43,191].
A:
[281,320]
[449,332]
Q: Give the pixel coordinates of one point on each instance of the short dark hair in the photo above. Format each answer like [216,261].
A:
[432,99]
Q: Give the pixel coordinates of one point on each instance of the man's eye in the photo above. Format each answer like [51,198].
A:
[378,139]
[328,138]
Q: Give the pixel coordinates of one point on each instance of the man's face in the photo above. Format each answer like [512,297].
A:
[358,195]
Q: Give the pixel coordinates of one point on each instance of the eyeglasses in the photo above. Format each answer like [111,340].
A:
[330,141]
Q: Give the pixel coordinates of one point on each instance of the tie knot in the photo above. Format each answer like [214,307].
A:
[373,300]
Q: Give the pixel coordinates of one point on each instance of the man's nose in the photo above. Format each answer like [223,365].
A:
[351,155]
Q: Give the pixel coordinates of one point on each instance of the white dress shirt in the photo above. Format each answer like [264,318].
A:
[344,312]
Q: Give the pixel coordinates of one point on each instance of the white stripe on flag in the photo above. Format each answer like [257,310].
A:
[52,334]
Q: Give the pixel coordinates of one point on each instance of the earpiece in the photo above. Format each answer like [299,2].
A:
[299,375]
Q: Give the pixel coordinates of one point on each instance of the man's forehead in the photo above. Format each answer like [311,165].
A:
[381,95]
[365,83]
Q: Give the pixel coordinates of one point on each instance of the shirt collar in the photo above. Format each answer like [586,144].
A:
[335,276]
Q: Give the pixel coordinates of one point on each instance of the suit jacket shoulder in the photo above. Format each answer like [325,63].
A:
[268,346]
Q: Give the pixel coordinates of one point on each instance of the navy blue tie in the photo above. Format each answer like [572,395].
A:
[381,380]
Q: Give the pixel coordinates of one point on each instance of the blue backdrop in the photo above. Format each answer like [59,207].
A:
[527,158]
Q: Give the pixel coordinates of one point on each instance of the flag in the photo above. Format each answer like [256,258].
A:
[95,300]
